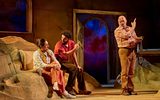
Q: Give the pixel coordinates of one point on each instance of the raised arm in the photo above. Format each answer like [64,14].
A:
[72,50]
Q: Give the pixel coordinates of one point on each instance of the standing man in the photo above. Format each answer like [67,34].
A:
[65,52]
[127,40]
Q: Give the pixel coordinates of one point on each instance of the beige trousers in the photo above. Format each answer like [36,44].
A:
[127,60]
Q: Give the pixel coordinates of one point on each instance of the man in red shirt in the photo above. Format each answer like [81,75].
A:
[65,52]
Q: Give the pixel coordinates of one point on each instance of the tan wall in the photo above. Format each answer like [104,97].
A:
[50,17]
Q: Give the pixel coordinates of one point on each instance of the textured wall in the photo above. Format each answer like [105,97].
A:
[50,18]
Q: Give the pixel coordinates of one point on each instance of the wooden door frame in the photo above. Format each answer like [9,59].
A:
[82,11]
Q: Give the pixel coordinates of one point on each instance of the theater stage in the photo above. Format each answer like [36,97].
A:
[114,94]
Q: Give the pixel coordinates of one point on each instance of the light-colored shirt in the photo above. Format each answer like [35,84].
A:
[125,37]
[39,63]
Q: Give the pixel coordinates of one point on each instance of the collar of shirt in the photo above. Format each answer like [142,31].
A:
[65,45]
[45,53]
[125,28]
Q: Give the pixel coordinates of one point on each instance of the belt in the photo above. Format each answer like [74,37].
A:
[126,48]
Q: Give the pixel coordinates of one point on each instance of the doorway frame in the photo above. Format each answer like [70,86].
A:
[75,28]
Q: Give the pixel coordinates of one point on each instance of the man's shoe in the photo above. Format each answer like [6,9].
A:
[132,93]
[50,92]
[72,92]
[49,95]
[68,96]
[125,93]
[84,92]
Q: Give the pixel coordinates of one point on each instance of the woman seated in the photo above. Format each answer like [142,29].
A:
[45,62]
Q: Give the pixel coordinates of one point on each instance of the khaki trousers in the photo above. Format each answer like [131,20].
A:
[127,60]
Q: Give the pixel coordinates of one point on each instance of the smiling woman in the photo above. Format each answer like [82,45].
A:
[15,16]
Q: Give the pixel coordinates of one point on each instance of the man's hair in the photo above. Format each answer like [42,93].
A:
[40,42]
[67,34]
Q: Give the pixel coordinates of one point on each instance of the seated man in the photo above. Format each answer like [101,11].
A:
[45,62]
[65,52]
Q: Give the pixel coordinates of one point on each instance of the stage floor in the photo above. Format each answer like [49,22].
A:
[114,94]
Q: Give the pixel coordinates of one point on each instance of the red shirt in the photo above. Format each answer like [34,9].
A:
[60,48]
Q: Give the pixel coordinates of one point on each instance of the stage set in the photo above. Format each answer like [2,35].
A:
[92,24]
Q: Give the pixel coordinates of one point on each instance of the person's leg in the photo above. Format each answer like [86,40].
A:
[60,80]
[56,82]
[131,73]
[81,83]
[48,80]
[61,85]
[53,74]
[123,55]
[47,77]
[54,78]
[72,70]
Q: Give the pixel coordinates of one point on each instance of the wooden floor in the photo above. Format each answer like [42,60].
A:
[114,94]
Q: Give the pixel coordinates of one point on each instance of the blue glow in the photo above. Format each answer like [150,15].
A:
[97,26]
[19,17]
[96,49]
[21,5]
[103,30]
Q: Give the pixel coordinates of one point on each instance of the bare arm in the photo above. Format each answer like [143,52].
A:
[76,61]
[55,63]
[72,51]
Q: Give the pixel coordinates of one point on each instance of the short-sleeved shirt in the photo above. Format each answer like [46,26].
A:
[60,48]
[125,38]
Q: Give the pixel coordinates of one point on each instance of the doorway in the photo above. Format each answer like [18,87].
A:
[94,31]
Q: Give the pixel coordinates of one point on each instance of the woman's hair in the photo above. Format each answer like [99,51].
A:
[66,34]
[40,42]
